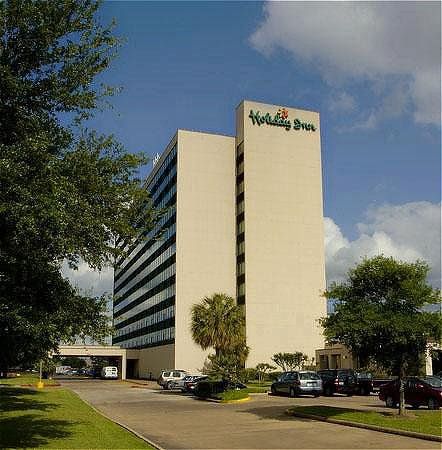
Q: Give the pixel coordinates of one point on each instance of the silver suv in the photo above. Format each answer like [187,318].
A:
[296,383]
[169,377]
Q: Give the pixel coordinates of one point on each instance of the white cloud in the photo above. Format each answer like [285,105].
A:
[393,104]
[363,41]
[342,102]
[407,232]
[92,282]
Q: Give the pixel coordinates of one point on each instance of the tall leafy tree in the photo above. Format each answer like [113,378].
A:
[263,369]
[66,192]
[218,322]
[379,315]
[289,361]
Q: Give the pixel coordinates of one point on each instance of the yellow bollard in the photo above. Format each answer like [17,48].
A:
[40,385]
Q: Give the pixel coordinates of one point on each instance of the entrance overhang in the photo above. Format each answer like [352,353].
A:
[111,351]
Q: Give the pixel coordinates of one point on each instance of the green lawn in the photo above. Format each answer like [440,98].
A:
[25,379]
[258,388]
[57,418]
[424,421]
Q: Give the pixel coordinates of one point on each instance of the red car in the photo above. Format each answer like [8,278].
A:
[418,391]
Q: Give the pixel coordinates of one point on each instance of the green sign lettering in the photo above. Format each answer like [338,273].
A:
[280,119]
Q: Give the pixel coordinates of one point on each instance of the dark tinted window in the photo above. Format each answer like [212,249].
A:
[292,376]
[433,381]
[309,376]
[327,374]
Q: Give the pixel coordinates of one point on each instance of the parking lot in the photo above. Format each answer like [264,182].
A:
[177,421]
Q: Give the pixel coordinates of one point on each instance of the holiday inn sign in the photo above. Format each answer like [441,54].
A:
[280,119]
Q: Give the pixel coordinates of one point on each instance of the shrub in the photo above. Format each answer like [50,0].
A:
[247,375]
[208,388]
[232,395]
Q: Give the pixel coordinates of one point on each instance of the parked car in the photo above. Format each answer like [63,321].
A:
[190,382]
[297,383]
[418,391]
[181,383]
[233,386]
[378,382]
[94,372]
[338,381]
[168,377]
[364,383]
[209,388]
[109,372]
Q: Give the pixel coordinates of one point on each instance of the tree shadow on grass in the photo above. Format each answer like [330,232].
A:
[12,399]
[269,412]
[335,411]
[20,428]
[30,431]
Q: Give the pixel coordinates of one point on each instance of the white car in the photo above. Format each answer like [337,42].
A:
[169,377]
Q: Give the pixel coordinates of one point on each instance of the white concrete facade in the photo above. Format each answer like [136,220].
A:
[247,222]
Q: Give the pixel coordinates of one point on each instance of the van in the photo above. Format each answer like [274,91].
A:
[109,372]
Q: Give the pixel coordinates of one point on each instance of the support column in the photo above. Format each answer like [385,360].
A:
[123,365]
[428,362]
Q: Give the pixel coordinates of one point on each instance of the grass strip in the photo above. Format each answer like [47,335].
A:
[426,422]
[57,418]
[253,388]
[28,379]
[232,395]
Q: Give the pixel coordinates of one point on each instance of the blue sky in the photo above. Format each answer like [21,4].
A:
[372,70]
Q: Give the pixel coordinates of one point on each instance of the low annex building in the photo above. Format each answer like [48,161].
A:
[244,218]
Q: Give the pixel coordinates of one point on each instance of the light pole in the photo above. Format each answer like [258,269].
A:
[40,384]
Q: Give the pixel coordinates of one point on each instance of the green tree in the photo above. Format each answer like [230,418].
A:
[262,370]
[66,193]
[229,364]
[74,362]
[379,315]
[218,322]
[289,361]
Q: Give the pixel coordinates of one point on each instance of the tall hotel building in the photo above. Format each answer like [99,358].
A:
[245,218]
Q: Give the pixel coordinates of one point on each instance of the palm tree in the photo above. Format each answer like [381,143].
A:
[218,322]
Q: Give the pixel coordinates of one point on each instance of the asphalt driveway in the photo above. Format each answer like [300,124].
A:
[176,421]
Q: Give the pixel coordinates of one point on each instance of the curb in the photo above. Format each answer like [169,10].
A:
[134,382]
[413,434]
[241,400]
[122,425]
[215,400]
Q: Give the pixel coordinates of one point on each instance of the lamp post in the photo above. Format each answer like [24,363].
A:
[40,384]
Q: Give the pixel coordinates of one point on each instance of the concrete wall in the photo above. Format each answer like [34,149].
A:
[205,256]
[335,356]
[155,359]
[284,238]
